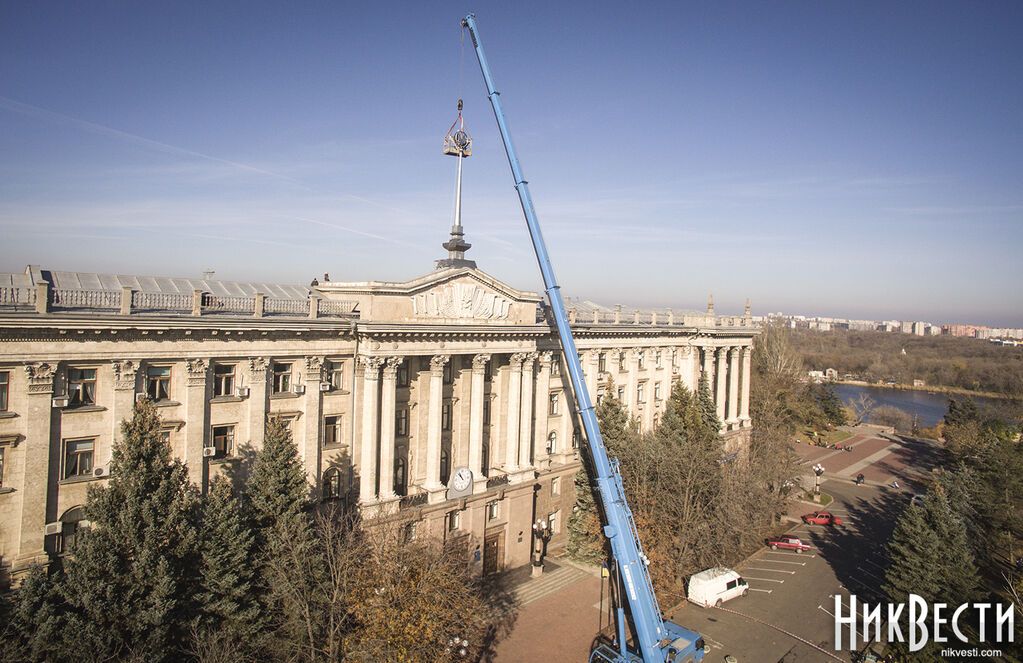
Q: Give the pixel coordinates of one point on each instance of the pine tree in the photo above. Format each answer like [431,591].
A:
[957,570]
[228,600]
[130,585]
[706,402]
[915,552]
[277,487]
[31,621]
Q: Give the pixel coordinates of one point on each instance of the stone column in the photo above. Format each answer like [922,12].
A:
[368,450]
[387,414]
[631,362]
[40,473]
[651,403]
[258,367]
[311,447]
[543,392]
[511,442]
[708,369]
[744,418]
[195,418]
[476,396]
[686,368]
[720,378]
[526,417]
[592,372]
[733,385]
[433,431]
[125,382]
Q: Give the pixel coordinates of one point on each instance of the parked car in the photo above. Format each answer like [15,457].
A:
[715,586]
[788,542]
[822,518]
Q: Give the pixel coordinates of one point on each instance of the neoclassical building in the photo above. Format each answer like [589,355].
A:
[440,398]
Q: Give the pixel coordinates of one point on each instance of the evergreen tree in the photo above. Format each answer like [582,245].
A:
[277,487]
[32,621]
[130,586]
[829,403]
[228,597]
[957,571]
[915,552]
[706,402]
[961,411]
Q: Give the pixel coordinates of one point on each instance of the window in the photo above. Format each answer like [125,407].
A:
[640,360]
[223,380]
[454,520]
[81,386]
[78,458]
[73,521]
[445,465]
[401,422]
[282,378]
[493,510]
[2,450]
[158,383]
[485,461]
[448,373]
[554,522]
[556,365]
[400,468]
[5,390]
[600,395]
[332,484]
[553,405]
[640,397]
[602,362]
[731,584]
[657,391]
[486,412]
[403,375]
[621,394]
[409,532]
[223,440]
[657,359]
[621,362]
[488,374]
[336,375]
[552,443]
[331,430]
[556,486]
[576,438]
[165,436]
[445,416]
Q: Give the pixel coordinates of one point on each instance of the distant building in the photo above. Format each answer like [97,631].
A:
[919,383]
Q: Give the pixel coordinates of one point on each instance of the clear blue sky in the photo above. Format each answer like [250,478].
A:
[851,159]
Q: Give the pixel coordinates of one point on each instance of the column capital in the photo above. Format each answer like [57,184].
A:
[258,365]
[528,360]
[314,365]
[545,359]
[40,377]
[125,371]
[479,362]
[371,365]
[391,365]
[196,369]
[516,361]
[747,351]
[438,362]
[722,353]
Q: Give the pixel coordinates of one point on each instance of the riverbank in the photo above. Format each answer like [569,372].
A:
[931,389]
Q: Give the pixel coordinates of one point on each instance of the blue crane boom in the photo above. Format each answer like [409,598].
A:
[654,638]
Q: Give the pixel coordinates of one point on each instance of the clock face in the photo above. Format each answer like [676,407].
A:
[462,479]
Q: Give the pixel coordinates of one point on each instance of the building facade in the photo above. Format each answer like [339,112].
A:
[441,399]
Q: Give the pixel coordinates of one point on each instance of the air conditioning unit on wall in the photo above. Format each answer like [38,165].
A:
[242,392]
[298,388]
[325,386]
[60,401]
[209,452]
[53,528]
[141,396]
[101,471]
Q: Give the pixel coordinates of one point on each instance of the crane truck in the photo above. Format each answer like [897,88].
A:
[653,638]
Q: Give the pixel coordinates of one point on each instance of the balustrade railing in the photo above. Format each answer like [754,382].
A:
[218,304]
[87,299]
[160,301]
[286,306]
[16,297]
[333,307]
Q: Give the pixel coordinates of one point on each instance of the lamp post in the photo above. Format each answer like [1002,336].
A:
[818,470]
[541,536]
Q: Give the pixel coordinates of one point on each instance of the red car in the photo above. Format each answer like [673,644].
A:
[822,518]
[788,542]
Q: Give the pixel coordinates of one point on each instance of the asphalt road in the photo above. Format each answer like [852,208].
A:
[788,614]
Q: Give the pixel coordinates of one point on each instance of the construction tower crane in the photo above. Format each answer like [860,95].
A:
[654,639]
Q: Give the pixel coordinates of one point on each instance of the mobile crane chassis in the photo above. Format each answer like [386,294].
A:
[655,640]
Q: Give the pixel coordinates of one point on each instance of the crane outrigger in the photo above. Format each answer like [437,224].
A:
[654,639]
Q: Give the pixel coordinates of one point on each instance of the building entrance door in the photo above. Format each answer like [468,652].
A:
[493,545]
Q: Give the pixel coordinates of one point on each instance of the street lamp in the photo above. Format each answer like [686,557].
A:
[541,536]
[818,470]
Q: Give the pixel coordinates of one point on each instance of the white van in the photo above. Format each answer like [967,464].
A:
[715,586]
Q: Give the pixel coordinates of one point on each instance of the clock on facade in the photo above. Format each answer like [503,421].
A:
[461,483]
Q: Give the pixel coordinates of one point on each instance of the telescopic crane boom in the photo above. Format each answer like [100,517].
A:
[655,640]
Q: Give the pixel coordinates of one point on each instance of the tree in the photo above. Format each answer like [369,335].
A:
[228,599]
[957,570]
[708,410]
[277,487]
[32,622]
[129,589]
[862,408]
[829,403]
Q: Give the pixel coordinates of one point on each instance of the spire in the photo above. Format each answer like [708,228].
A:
[458,143]
[710,304]
[748,311]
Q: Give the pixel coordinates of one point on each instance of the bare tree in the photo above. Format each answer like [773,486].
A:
[862,408]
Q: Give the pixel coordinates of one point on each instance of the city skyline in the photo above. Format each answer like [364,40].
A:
[859,162]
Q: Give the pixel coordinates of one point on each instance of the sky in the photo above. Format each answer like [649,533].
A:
[857,160]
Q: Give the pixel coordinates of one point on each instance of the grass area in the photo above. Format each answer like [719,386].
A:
[825,498]
[827,437]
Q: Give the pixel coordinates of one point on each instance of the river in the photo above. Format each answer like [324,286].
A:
[929,407]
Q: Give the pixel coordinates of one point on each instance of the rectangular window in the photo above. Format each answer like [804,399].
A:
[165,436]
[454,520]
[78,458]
[448,372]
[488,374]
[576,438]
[602,362]
[556,486]
[554,522]
[556,365]
[401,422]
[2,450]
[223,380]
[600,395]
[158,383]
[81,386]
[223,440]
[493,510]
[640,397]
[445,416]
[403,376]
[640,360]
[331,431]
[553,406]
[486,412]
[282,378]
[621,362]
[657,391]
[336,375]
[621,394]
[657,358]
[5,390]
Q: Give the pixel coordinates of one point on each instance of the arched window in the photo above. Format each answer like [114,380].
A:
[445,465]
[332,484]
[73,522]
[552,443]
[400,467]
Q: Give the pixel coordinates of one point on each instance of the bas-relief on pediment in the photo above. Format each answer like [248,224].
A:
[461,300]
